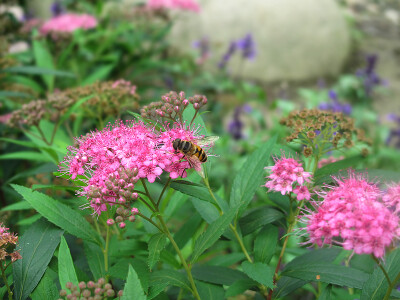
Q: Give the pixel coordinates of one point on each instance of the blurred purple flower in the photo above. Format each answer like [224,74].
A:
[247,46]
[335,105]
[394,134]
[227,56]
[369,76]
[235,127]
[204,46]
[57,9]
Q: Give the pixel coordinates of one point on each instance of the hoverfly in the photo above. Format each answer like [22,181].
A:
[193,151]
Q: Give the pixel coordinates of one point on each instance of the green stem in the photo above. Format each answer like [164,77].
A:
[391,287]
[382,268]
[163,191]
[178,251]
[3,274]
[105,251]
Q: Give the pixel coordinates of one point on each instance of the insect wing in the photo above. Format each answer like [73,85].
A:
[207,141]
[195,163]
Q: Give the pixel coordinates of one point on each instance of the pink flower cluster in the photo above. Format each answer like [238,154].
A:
[351,215]
[174,4]
[392,197]
[6,239]
[111,161]
[125,83]
[288,175]
[68,23]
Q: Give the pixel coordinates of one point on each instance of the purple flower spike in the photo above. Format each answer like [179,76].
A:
[247,46]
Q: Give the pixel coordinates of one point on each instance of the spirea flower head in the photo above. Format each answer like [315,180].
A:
[7,240]
[113,160]
[392,197]
[174,4]
[284,174]
[68,23]
[351,215]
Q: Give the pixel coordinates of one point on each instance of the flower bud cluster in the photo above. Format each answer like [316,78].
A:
[311,127]
[288,175]
[8,240]
[108,98]
[100,290]
[171,106]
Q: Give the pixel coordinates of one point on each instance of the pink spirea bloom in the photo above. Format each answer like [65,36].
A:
[351,215]
[125,83]
[125,147]
[392,197]
[68,23]
[285,173]
[174,4]
[302,192]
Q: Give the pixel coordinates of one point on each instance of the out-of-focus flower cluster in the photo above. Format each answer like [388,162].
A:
[111,161]
[100,290]
[329,160]
[67,23]
[322,130]
[246,45]
[174,4]
[335,105]
[352,215]
[288,175]
[171,107]
[8,240]
[106,98]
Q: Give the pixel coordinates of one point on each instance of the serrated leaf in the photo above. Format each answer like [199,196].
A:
[250,176]
[212,234]
[265,244]
[169,277]
[259,272]
[328,273]
[46,289]
[121,268]
[217,274]
[66,269]
[210,291]
[239,287]
[376,286]
[133,288]
[95,259]
[59,214]
[156,245]
[258,217]
[37,246]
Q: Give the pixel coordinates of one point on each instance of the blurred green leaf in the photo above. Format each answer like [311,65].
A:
[249,177]
[26,155]
[258,217]
[37,246]
[37,71]
[169,277]
[210,291]
[133,288]
[100,73]
[239,287]
[95,258]
[217,274]
[44,59]
[59,214]
[66,269]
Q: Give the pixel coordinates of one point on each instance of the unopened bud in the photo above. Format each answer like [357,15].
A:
[110,222]
[122,225]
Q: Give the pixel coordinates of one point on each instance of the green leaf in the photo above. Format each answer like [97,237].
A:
[100,73]
[265,244]
[44,60]
[133,288]
[186,232]
[250,176]
[286,285]
[169,277]
[37,71]
[121,268]
[18,142]
[26,155]
[328,273]
[46,289]
[95,259]
[156,244]
[326,293]
[21,205]
[239,287]
[258,217]
[212,234]
[314,256]
[210,291]
[376,286]
[260,272]
[73,108]
[59,214]
[66,269]
[227,260]
[217,274]
[37,246]
[30,220]
[206,210]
